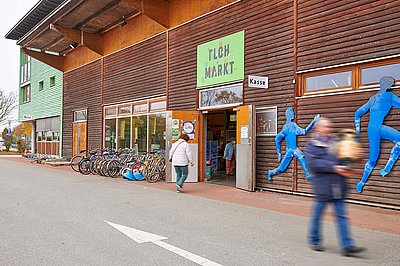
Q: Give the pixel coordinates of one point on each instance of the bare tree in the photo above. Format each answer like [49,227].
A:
[7,104]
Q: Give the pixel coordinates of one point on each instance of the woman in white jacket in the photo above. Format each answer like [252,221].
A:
[181,156]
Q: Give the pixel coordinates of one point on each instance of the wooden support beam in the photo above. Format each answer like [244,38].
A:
[93,42]
[157,10]
[72,34]
[52,60]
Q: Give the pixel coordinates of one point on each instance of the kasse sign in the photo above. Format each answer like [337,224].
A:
[258,82]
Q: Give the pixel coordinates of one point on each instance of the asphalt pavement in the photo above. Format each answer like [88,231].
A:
[53,217]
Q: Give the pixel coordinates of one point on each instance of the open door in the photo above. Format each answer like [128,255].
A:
[179,122]
[245,148]
[79,137]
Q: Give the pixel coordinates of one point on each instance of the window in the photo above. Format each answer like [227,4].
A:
[334,81]
[132,125]
[372,75]
[124,110]
[155,106]
[25,68]
[140,107]
[49,136]
[157,131]
[359,76]
[110,111]
[52,81]
[139,133]
[231,95]
[80,115]
[25,94]
[266,121]
[41,85]
[124,133]
[110,133]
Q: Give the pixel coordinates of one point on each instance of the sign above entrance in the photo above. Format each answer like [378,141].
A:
[258,82]
[221,60]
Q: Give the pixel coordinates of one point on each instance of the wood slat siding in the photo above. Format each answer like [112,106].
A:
[268,29]
[335,32]
[136,72]
[82,89]
[341,110]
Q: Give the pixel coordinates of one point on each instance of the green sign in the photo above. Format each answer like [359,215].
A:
[221,60]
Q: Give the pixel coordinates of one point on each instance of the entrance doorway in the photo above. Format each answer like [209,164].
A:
[220,129]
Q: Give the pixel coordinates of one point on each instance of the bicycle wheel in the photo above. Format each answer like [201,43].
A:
[75,162]
[114,168]
[84,167]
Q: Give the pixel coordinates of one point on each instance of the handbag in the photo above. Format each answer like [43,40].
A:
[170,160]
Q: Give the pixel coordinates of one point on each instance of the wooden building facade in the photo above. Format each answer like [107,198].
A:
[154,55]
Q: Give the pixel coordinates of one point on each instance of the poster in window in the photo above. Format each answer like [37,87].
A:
[188,128]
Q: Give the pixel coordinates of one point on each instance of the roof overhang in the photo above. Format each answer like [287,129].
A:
[70,23]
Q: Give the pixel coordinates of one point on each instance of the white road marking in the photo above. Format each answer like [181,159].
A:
[144,237]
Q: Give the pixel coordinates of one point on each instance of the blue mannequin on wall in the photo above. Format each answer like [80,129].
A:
[379,106]
[289,132]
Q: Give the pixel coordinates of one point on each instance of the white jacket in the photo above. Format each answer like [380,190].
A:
[180,153]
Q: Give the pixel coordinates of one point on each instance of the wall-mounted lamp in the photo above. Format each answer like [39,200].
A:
[73,45]
[122,24]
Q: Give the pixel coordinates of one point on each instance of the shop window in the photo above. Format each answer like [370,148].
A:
[80,116]
[139,133]
[124,132]
[334,81]
[39,136]
[52,81]
[41,85]
[157,131]
[56,136]
[372,75]
[110,133]
[124,110]
[49,136]
[266,121]
[140,108]
[156,106]
[221,97]
[110,111]
[25,94]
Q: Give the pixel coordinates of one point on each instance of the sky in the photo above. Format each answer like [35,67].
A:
[10,13]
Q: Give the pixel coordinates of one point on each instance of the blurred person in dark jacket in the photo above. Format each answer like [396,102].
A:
[330,187]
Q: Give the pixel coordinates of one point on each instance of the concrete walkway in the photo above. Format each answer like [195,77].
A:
[374,218]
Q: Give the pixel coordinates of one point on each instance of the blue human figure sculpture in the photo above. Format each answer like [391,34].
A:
[379,106]
[289,132]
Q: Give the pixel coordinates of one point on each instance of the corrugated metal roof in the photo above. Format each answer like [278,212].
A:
[32,18]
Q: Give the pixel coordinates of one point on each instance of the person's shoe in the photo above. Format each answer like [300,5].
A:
[317,247]
[352,250]
[179,188]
